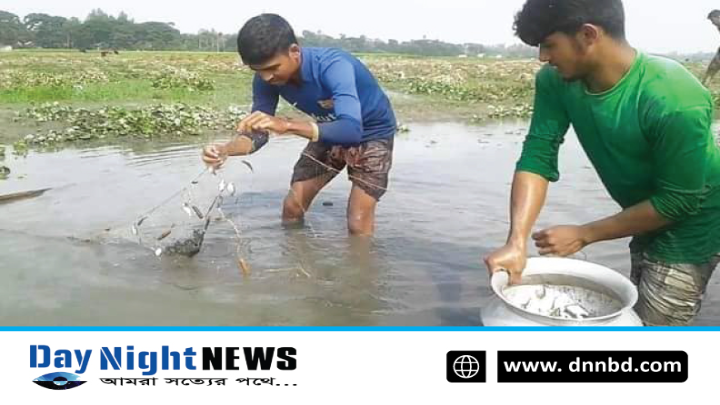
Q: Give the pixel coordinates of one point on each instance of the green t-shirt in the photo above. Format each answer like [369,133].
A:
[649,138]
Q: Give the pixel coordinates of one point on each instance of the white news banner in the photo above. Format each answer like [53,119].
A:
[344,367]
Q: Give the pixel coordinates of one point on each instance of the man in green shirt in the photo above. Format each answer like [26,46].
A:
[644,123]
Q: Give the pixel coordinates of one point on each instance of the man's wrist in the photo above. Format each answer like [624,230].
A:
[226,149]
[589,234]
[305,129]
[517,240]
[287,127]
[315,136]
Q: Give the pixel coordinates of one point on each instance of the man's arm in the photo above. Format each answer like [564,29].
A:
[566,240]
[538,165]
[246,144]
[347,129]
[529,191]
[636,220]
[339,77]
[265,100]
[681,143]
[215,155]
[527,199]
[262,122]
[265,96]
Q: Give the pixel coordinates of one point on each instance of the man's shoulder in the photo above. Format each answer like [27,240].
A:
[668,82]
[667,90]
[324,55]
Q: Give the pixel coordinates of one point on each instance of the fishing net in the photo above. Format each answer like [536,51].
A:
[179,224]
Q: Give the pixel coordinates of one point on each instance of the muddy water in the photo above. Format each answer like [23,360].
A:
[68,257]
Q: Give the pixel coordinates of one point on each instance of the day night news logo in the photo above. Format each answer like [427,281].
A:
[150,362]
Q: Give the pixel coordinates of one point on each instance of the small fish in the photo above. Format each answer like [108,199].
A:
[244,267]
[303,271]
[541,292]
[213,170]
[246,163]
[194,182]
[141,221]
[134,230]
[231,188]
[165,234]
[187,209]
[197,212]
[158,252]
[221,186]
[576,311]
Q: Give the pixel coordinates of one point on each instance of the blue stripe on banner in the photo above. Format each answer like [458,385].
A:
[346,329]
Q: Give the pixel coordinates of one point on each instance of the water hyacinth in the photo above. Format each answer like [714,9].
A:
[522,110]
[178,78]
[14,79]
[466,81]
[155,121]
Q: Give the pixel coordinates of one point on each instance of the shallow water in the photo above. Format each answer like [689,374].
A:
[68,258]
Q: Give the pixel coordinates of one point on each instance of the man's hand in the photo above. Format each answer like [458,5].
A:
[215,155]
[259,121]
[512,258]
[562,240]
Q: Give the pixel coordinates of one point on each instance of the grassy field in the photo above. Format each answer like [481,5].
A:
[53,97]
[218,80]
[129,78]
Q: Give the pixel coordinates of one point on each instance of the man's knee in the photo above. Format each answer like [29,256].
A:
[292,210]
[361,224]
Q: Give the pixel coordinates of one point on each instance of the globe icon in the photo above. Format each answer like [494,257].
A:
[466,367]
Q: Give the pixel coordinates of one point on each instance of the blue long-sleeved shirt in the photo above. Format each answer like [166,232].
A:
[339,92]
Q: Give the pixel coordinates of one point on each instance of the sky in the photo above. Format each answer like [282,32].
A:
[659,26]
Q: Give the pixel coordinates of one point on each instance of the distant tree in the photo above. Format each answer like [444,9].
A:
[46,30]
[103,31]
[70,30]
[157,36]
[12,30]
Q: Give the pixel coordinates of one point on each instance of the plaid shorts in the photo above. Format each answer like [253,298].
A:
[368,164]
[669,294]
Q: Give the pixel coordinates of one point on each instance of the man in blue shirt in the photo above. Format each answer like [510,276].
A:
[353,122]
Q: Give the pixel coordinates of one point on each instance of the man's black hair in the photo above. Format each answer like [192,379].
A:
[263,37]
[540,18]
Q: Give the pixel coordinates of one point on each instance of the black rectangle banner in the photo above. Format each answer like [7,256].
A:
[592,366]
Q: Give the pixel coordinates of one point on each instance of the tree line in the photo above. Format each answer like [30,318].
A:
[102,31]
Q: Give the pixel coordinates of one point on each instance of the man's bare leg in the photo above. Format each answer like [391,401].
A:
[361,212]
[712,69]
[299,198]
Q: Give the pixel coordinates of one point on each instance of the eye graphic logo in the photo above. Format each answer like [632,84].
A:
[59,381]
